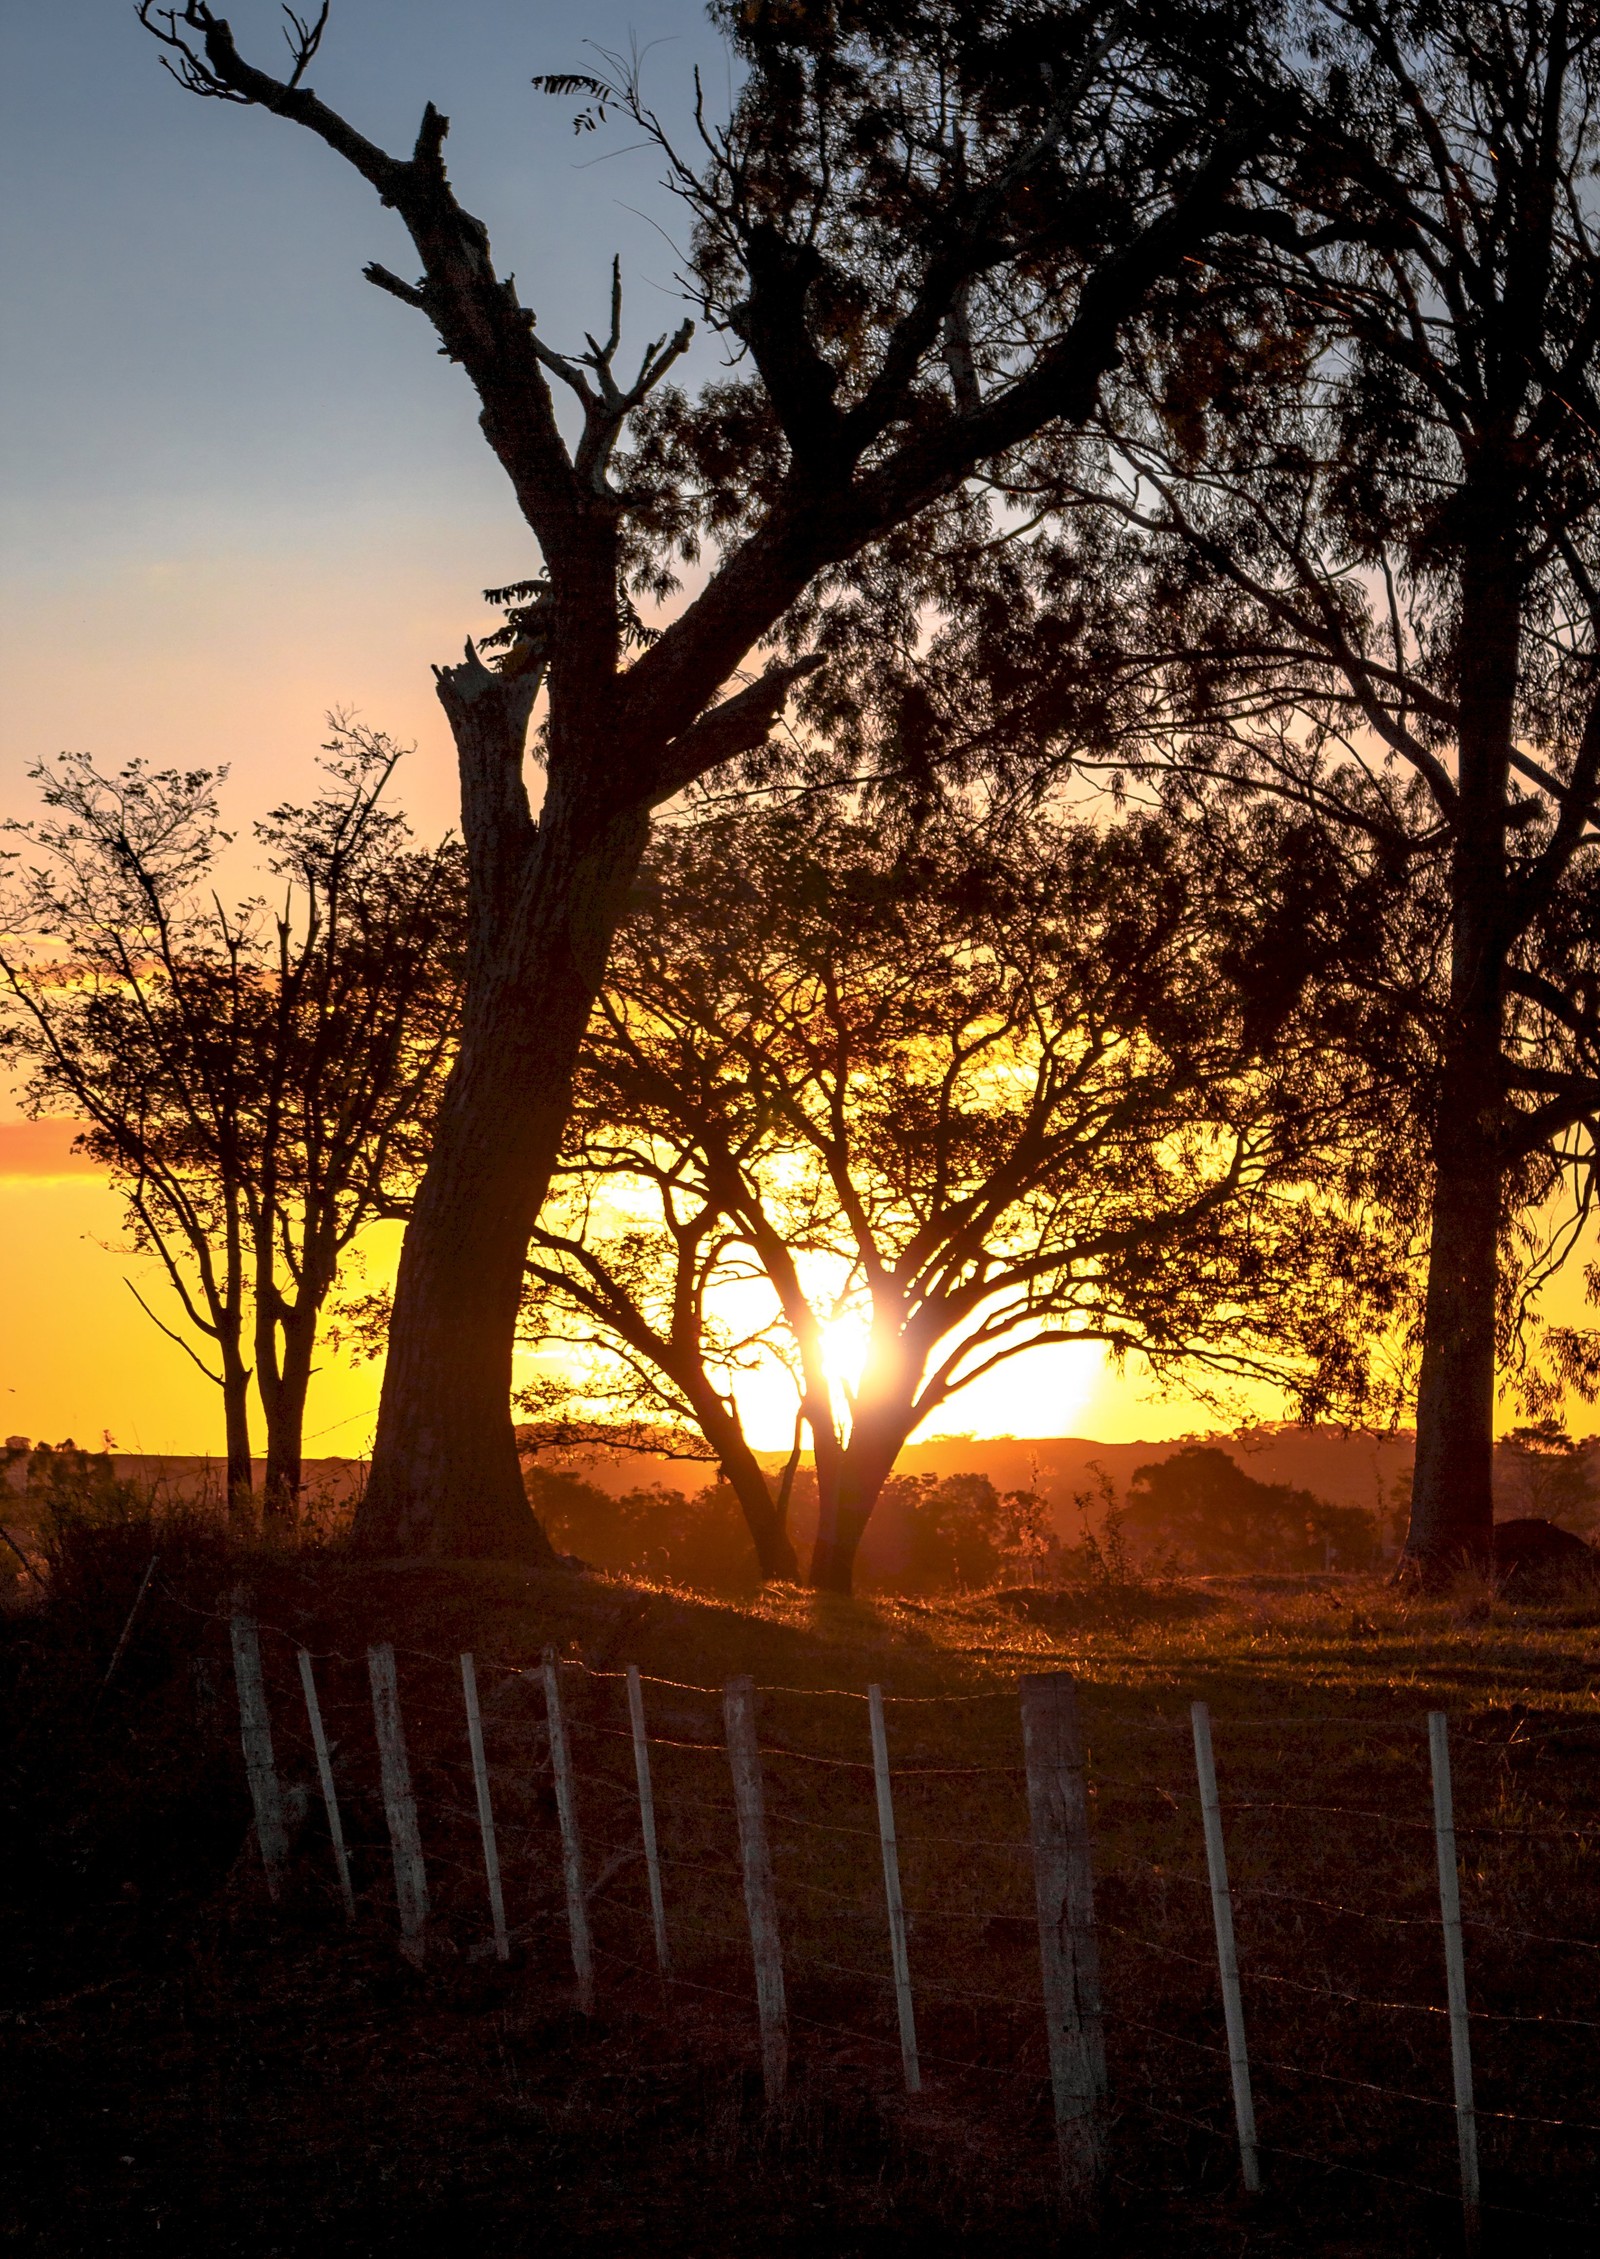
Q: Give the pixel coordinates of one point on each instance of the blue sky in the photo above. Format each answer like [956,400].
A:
[241,488]
[240,485]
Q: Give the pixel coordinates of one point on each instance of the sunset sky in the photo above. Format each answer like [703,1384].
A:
[241,488]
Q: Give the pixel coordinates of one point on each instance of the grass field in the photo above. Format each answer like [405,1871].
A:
[189,2069]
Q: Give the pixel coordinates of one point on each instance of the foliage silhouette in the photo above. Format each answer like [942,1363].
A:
[259,1082]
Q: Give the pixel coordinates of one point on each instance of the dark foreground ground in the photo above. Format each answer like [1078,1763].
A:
[189,2070]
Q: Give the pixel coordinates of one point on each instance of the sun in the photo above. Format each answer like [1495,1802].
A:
[844,1353]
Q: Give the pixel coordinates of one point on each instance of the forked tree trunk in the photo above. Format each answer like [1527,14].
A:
[285,1379]
[846,1497]
[544,903]
[1452,1500]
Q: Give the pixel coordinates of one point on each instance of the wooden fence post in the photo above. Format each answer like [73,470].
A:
[891,1891]
[330,1800]
[255,1731]
[1455,1973]
[1244,2107]
[760,1898]
[399,1805]
[480,1781]
[571,1845]
[1058,1808]
[647,1818]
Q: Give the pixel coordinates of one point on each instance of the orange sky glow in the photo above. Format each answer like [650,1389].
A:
[79,1358]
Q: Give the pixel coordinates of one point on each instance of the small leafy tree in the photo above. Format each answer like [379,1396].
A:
[969,1093]
[1554,1475]
[962,1531]
[258,1083]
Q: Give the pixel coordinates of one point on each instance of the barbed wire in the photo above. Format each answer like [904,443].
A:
[821,1915]
[1341,2078]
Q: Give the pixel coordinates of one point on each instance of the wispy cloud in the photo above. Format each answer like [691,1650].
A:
[43,1149]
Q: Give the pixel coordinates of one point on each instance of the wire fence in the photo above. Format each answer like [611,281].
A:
[959,1894]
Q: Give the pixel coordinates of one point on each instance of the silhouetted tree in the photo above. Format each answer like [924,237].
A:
[926,232]
[962,1531]
[1358,482]
[654,1532]
[1553,1475]
[260,1084]
[1201,1509]
[984,1091]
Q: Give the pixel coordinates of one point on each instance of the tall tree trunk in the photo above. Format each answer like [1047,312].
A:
[543,905]
[1452,1503]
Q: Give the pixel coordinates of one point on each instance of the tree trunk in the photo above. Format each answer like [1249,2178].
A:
[236,1424]
[284,1403]
[1452,1500]
[844,1505]
[767,1523]
[766,1517]
[542,907]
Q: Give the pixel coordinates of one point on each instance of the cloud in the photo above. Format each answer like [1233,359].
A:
[44,1149]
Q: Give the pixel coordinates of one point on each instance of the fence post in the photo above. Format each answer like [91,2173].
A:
[1455,1973]
[1244,2108]
[399,1805]
[255,1731]
[891,1891]
[480,1781]
[1058,1809]
[571,1846]
[647,1818]
[760,1899]
[319,1742]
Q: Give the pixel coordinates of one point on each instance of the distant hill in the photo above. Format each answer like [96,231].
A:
[1347,1470]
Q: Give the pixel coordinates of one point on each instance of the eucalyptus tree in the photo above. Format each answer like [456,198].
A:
[1337,540]
[1397,541]
[961,1096]
[925,233]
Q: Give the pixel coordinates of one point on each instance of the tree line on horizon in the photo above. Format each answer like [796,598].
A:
[1156,457]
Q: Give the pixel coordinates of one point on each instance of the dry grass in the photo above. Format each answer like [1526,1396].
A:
[284,2087]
